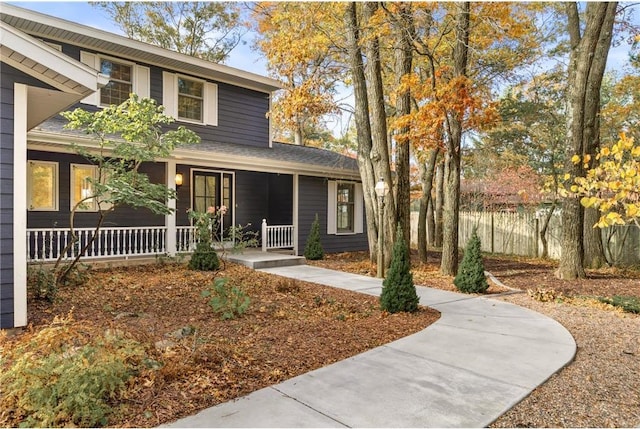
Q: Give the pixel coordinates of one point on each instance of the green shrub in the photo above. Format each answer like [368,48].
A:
[313,249]
[42,282]
[630,304]
[470,277]
[63,376]
[398,290]
[204,257]
[229,301]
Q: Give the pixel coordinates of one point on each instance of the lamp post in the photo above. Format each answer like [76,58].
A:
[381,191]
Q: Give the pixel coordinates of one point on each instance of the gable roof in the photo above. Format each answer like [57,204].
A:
[45,26]
[280,158]
[72,79]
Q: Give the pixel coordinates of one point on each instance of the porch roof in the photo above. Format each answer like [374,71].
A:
[280,158]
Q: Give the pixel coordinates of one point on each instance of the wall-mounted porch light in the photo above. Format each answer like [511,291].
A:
[179,179]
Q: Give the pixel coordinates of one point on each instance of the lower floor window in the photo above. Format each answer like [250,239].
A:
[82,178]
[42,185]
[345,208]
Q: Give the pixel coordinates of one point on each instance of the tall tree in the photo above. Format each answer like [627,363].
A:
[589,43]
[207,30]
[295,40]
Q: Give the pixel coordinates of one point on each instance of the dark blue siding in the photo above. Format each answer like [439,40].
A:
[312,196]
[122,216]
[241,112]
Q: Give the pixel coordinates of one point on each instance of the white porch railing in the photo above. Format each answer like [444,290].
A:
[277,236]
[46,244]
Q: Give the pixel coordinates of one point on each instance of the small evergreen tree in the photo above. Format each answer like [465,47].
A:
[470,277]
[313,249]
[398,291]
[205,257]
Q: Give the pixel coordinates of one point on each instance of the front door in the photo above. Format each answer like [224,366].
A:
[214,189]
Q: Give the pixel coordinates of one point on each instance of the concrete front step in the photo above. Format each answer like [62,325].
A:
[259,260]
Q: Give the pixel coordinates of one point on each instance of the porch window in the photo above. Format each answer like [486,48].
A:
[42,186]
[205,192]
[120,82]
[345,208]
[82,177]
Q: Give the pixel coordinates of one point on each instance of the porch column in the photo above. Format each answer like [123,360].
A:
[170,219]
[20,205]
[295,213]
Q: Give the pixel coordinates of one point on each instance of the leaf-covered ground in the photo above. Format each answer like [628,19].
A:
[290,328]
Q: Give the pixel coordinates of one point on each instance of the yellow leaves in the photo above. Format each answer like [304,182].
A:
[588,201]
[612,186]
[575,159]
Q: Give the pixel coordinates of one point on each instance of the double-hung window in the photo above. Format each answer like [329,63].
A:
[345,208]
[120,82]
[42,185]
[190,99]
[124,78]
[82,179]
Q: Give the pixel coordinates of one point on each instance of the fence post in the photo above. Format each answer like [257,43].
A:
[264,235]
[492,234]
[537,233]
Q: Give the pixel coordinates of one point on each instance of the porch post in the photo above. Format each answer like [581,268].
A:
[20,205]
[264,235]
[295,213]
[170,219]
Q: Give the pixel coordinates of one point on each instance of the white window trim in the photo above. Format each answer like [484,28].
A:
[140,76]
[56,178]
[170,95]
[332,208]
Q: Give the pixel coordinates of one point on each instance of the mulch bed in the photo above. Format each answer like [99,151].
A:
[290,328]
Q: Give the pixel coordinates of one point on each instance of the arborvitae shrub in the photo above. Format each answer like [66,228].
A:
[398,290]
[204,257]
[470,277]
[313,249]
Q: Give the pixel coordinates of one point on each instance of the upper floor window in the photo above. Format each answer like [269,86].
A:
[190,99]
[124,78]
[42,185]
[120,82]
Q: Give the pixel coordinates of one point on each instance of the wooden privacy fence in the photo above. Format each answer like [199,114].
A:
[519,234]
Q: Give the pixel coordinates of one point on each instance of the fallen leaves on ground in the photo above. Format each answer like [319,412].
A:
[290,328]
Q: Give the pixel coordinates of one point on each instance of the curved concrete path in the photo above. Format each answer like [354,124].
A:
[477,361]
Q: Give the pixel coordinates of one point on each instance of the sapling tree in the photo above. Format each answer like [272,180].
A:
[470,277]
[313,249]
[124,136]
[613,185]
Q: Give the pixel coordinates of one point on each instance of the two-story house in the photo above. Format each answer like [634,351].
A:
[51,65]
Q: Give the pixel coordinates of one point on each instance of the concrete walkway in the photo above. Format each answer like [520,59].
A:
[478,360]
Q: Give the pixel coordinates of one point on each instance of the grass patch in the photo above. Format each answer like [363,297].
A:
[630,304]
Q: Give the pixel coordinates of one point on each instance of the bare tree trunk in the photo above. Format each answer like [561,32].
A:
[545,227]
[449,263]
[379,154]
[363,127]
[439,205]
[403,61]
[588,56]
[426,176]
[431,223]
